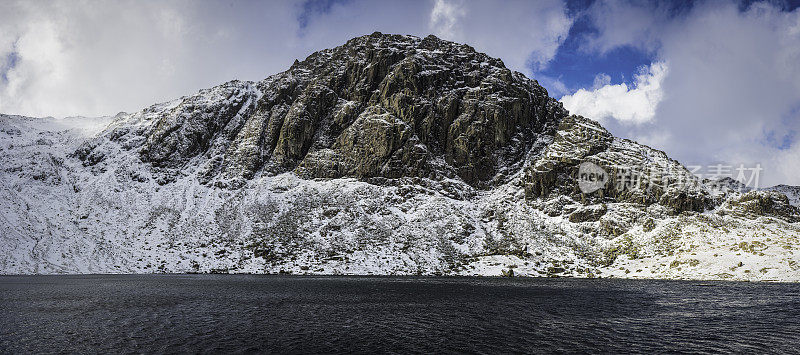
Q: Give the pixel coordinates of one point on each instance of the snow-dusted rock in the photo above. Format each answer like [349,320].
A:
[387,155]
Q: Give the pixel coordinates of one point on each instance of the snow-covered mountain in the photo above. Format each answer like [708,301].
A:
[387,155]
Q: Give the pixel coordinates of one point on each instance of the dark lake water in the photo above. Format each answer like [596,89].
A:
[299,314]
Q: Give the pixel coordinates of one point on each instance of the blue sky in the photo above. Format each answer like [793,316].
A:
[705,81]
[8,63]
[314,8]
[576,69]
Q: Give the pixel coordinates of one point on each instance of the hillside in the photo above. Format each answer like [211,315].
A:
[389,154]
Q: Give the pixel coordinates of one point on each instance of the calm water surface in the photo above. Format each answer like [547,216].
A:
[297,314]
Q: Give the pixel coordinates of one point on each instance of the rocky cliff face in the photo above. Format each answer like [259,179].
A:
[378,107]
[389,155]
[636,173]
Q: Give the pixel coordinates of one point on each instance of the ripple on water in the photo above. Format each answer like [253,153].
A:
[226,313]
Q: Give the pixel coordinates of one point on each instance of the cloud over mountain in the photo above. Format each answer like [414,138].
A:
[636,103]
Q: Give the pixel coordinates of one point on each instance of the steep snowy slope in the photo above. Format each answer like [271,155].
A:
[38,184]
[387,155]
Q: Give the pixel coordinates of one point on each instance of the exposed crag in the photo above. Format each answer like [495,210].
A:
[389,154]
[380,106]
[636,173]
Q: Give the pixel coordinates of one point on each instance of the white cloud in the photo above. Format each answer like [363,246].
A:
[635,104]
[445,18]
[100,57]
[732,93]
[525,34]
[623,22]
[96,57]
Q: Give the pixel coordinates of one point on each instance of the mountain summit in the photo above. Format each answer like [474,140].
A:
[378,107]
[390,154]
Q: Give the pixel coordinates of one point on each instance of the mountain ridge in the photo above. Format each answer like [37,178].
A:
[423,99]
[390,154]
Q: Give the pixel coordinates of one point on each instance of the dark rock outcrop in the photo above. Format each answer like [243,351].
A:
[765,203]
[379,106]
[635,173]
